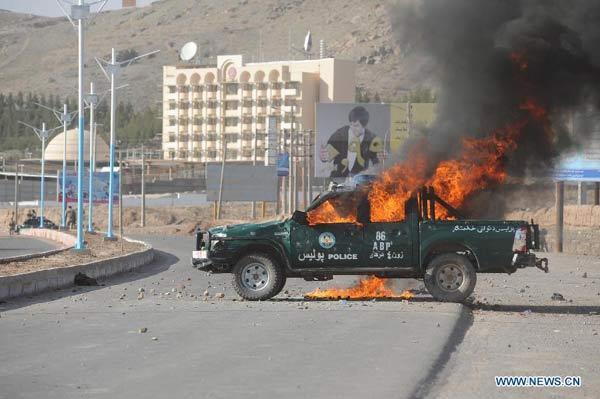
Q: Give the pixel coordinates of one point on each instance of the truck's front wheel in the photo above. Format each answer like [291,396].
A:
[258,277]
[450,277]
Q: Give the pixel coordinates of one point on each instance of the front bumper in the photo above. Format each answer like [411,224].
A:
[523,260]
[200,260]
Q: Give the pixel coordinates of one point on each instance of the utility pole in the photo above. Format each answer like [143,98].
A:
[92,100]
[143,222]
[17,193]
[80,12]
[65,118]
[120,200]
[43,135]
[292,177]
[111,70]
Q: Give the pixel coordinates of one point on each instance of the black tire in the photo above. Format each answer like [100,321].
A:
[450,277]
[258,277]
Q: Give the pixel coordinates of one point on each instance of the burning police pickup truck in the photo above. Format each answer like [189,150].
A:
[446,254]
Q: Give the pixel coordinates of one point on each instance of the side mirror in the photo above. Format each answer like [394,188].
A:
[299,217]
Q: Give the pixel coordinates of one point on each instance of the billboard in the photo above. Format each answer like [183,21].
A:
[99,189]
[350,138]
[242,183]
[583,165]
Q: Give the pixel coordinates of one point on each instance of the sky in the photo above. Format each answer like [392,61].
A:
[49,7]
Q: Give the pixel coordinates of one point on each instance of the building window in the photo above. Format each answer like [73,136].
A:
[262,102]
[261,119]
[172,104]
[212,104]
[291,101]
[183,89]
[247,136]
[172,154]
[232,155]
[211,88]
[276,85]
[183,121]
[231,105]
[197,104]
[184,137]
[211,121]
[197,89]
[183,154]
[172,89]
[183,104]
[247,103]
[292,85]
[172,122]
[231,121]
[231,137]
[172,138]
[231,88]
[247,86]
[197,121]
[262,86]
[211,137]
[247,153]
[276,102]
[212,154]
[247,120]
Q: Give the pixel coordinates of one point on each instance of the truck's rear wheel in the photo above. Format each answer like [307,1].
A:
[257,277]
[450,277]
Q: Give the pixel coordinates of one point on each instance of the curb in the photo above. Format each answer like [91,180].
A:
[52,279]
[67,241]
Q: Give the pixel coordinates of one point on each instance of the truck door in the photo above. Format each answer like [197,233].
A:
[331,236]
[387,244]
[325,245]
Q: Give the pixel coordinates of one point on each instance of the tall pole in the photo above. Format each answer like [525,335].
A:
[109,230]
[560,203]
[79,244]
[310,158]
[63,216]
[16,193]
[143,222]
[42,179]
[91,175]
[254,164]
[121,200]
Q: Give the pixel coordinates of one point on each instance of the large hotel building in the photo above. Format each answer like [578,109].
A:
[206,107]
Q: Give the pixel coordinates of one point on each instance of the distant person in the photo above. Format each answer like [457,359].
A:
[12,225]
[71,218]
[353,148]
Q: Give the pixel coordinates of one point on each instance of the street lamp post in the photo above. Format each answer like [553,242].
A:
[80,12]
[43,135]
[92,100]
[111,69]
[65,118]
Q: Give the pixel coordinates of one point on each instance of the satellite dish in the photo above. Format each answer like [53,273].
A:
[308,42]
[188,51]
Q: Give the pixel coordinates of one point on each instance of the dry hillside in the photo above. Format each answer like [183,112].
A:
[39,53]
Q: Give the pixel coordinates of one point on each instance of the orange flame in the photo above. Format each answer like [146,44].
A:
[372,287]
[479,164]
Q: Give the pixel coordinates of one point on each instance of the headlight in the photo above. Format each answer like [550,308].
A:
[216,245]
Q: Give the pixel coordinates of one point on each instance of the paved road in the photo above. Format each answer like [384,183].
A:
[23,245]
[86,342]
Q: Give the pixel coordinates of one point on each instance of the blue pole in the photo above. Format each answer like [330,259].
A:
[79,244]
[63,221]
[42,179]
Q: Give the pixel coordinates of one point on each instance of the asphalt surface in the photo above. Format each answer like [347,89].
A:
[23,245]
[88,341]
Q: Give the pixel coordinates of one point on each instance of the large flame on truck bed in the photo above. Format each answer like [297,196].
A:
[368,288]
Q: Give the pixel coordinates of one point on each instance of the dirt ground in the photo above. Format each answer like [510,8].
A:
[98,249]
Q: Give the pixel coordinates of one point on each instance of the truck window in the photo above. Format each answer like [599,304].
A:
[339,209]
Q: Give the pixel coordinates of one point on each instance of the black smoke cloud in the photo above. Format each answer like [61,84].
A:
[480,88]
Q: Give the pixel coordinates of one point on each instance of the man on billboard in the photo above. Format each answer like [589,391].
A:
[352,149]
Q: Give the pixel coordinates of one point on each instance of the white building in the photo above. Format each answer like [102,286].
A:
[206,106]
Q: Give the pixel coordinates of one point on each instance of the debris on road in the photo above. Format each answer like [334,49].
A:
[557,297]
[143,330]
[219,295]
